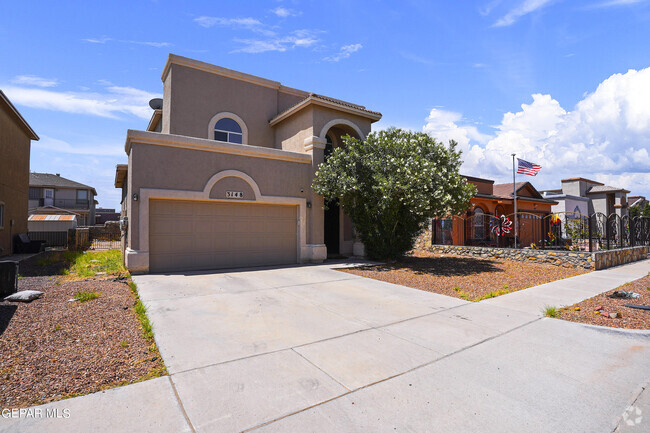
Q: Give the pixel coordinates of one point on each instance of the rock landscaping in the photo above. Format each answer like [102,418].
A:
[608,309]
[83,335]
[470,278]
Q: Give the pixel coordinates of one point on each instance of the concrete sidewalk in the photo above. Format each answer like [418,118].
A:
[311,349]
[569,291]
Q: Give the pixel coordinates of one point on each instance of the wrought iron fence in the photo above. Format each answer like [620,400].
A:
[561,231]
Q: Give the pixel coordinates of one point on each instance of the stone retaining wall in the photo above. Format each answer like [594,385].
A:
[620,256]
[568,259]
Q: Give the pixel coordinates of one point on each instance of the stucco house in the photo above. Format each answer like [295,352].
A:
[490,204]
[15,143]
[51,194]
[222,176]
[586,197]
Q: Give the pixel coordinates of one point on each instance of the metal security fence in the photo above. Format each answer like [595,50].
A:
[559,231]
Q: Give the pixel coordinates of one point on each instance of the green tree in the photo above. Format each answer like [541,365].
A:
[391,184]
[640,211]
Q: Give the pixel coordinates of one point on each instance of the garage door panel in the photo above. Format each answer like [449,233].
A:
[186,235]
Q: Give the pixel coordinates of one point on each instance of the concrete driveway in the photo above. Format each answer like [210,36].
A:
[311,349]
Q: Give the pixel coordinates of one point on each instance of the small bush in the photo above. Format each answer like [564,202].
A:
[57,328]
[124,344]
[83,296]
[550,311]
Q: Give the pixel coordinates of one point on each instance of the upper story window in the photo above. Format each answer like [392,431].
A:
[227,129]
[82,195]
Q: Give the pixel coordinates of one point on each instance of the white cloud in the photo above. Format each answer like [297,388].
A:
[101,40]
[345,52]
[251,24]
[524,8]
[297,39]
[284,12]
[116,100]
[104,39]
[207,22]
[33,80]
[53,145]
[617,3]
[605,137]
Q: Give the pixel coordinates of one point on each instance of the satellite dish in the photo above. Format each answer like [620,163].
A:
[156,103]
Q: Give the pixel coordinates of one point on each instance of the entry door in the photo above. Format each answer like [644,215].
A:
[48,197]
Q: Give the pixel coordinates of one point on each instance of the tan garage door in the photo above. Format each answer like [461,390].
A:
[188,235]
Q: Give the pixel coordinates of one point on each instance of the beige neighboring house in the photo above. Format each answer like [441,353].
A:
[222,177]
[586,197]
[15,143]
[51,194]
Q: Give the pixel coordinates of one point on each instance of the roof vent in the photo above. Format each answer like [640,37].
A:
[58,174]
[156,103]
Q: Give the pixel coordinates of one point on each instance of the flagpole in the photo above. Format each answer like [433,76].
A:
[514,190]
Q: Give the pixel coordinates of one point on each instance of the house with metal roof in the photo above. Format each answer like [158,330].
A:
[51,194]
[585,196]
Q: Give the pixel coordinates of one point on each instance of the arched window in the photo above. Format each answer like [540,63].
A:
[479,223]
[228,130]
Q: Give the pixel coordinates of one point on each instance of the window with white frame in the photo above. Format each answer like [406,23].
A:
[228,130]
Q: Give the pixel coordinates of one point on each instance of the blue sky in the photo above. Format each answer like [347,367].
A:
[563,83]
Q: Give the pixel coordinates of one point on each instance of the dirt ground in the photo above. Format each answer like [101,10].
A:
[589,311]
[468,278]
[56,347]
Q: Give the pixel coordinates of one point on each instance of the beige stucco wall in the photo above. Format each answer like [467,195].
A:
[194,96]
[171,168]
[14,179]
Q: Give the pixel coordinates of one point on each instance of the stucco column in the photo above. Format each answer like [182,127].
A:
[315,214]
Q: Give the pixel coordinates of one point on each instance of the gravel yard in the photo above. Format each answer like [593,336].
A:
[631,318]
[54,348]
[468,278]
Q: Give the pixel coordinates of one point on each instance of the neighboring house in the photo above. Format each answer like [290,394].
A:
[586,197]
[222,177]
[490,204]
[102,216]
[51,194]
[15,144]
[638,203]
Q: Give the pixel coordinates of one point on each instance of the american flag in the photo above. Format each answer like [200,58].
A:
[525,167]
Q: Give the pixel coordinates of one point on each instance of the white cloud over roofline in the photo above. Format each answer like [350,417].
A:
[606,136]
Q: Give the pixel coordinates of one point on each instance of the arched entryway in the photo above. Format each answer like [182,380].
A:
[338,230]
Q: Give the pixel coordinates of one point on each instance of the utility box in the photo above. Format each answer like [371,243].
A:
[8,278]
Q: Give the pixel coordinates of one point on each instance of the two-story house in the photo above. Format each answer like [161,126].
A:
[53,194]
[15,144]
[222,177]
[586,197]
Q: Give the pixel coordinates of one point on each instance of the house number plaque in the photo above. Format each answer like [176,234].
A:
[234,194]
